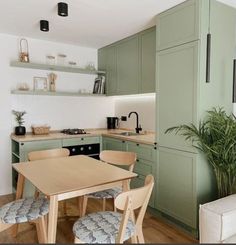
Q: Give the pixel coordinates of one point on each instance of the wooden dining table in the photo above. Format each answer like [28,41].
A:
[68,177]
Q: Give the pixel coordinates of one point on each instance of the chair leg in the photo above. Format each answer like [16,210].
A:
[104,204]
[84,205]
[114,207]
[15,230]
[134,239]
[140,235]
[41,230]
[77,240]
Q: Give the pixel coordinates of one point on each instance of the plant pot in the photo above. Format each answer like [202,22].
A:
[20,130]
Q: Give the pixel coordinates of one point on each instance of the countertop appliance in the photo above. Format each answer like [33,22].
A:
[73,131]
[112,122]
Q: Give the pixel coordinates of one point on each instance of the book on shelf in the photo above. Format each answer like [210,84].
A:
[99,85]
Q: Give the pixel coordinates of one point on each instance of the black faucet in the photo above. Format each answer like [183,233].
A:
[138,127]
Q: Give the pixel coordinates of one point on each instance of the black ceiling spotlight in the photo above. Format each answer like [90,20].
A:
[62,9]
[44,25]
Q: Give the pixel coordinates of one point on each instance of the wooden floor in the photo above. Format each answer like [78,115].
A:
[155,231]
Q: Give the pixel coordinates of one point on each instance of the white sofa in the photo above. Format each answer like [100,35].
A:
[217,221]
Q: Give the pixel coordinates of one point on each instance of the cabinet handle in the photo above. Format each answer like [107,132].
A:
[22,144]
[208,59]
[137,144]
[123,141]
[155,148]
[137,160]
[234,82]
[82,138]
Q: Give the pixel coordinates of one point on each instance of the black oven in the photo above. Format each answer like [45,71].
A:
[91,150]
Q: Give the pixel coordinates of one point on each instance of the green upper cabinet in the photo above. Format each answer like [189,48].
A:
[148,61]
[107,62]
[130,64]
[178,25]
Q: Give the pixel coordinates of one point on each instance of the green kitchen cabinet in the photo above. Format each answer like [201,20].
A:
[190,82]
[130,64]
[176,176]
[179,25]
[113,144]
[148,61]
[127,58]
[20,152]
[111,86]
[145,164]
[107,62]
[177,71]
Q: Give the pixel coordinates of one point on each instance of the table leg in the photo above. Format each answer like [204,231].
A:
[125,185]
[19,194]
[52,219]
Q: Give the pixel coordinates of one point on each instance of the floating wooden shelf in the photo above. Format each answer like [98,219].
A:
[48,93]
[55,68]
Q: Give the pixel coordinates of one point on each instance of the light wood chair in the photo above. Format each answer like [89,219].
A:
[114,227]
[119,158]
[47,154]
[25,210]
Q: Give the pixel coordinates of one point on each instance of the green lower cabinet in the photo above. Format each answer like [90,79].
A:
[23,149]
[176,185]
[113,144]
[145,164]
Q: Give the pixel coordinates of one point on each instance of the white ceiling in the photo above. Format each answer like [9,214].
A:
[91,23]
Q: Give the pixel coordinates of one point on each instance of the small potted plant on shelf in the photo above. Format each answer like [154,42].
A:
[215,136]
[19,130]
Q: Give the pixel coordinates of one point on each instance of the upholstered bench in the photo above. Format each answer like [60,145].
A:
[218,221]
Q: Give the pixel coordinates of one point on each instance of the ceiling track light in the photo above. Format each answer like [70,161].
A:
[62,9]
[44,25]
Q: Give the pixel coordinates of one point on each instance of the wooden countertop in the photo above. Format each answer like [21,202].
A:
[147,138]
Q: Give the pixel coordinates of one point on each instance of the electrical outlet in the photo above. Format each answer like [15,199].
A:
[123,118]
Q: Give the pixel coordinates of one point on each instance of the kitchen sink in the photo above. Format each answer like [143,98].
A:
[128,133]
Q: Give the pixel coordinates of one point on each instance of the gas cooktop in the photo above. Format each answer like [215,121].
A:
[73,131]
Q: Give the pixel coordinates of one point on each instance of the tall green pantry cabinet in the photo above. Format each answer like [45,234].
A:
[194,72]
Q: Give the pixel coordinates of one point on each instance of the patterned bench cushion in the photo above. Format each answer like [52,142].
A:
[101,227]
[23,210]
[110,193]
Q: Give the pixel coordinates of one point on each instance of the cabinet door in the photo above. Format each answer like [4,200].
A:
[27,147]
[176,190]
[113,144]
[148,61]
[145,164]
[128,66]
[177,78]
[144,168]
[111,79]
[102,59]
[178,25]
[146,152]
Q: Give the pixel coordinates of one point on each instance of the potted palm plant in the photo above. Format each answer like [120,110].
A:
[215,136]
[19,130]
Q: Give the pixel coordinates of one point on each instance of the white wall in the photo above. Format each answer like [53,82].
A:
[58,112]
[143,104]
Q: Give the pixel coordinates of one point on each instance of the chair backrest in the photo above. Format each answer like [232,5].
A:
[121,158]
[46,154]
[133,199]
